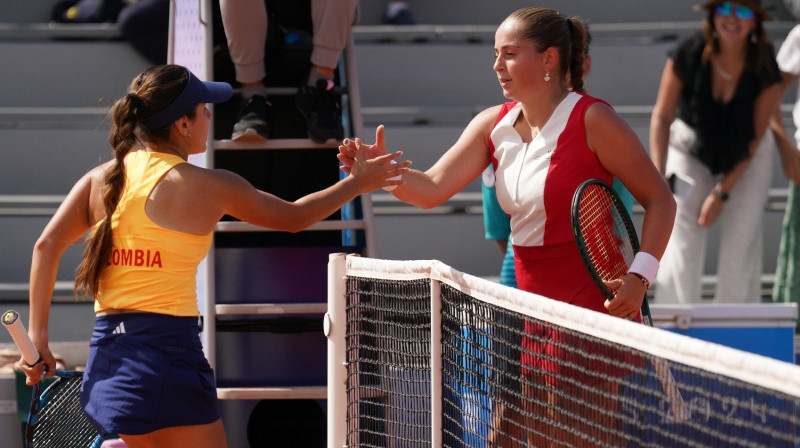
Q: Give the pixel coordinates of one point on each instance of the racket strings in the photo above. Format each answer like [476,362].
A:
[606,237]
[58,420]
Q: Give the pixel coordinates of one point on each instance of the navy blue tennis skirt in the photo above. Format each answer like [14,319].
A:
[147,372]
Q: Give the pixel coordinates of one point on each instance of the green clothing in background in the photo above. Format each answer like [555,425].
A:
[787,280]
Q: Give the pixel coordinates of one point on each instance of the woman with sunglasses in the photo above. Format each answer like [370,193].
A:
[717,91]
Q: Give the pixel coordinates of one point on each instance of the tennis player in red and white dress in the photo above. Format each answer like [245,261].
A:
[546,143]
[557,149]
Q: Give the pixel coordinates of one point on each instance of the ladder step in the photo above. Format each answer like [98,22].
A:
[272,393]
[239,226]
[279,91]
[271,308]
[48,31]
[274,144]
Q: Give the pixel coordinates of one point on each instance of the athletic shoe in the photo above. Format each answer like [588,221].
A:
[255,120]
[322,111]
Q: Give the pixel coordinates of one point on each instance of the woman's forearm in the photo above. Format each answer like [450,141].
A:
[659,142]
[44,269]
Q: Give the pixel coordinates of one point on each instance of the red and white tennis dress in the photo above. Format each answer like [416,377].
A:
[535,183]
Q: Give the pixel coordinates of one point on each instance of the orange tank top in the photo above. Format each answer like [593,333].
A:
[151,268]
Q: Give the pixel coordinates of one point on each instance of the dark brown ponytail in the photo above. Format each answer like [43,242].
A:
[580,49]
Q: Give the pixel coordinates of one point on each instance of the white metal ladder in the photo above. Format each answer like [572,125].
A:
[190,45]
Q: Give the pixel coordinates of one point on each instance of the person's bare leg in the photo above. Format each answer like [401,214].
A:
[211,435]
[508,425]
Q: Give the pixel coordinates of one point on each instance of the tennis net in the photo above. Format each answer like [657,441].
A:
[423,355]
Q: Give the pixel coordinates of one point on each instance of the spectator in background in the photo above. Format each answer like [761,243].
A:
[398,12]
[787,274]
[717,93]
[87,11]
[143,23]
[245,23]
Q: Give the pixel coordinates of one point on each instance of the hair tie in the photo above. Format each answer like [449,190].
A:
[133,99]
[568,28]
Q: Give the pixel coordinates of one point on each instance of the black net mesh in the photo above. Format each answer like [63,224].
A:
[510,380]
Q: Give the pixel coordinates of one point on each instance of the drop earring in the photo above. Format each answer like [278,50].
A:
[547,76]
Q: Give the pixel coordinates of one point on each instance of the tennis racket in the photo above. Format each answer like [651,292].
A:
[55,418]
[607,242]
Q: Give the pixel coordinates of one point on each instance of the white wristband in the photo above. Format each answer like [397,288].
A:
[645,265]
[398,177]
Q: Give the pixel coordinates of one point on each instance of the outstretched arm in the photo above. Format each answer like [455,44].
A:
[456,168]
[237,197]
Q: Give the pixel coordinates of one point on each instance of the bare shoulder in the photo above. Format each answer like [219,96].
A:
[206,182]
[607,133]
[215,177]
[488,115]
[600,110]
[86,196]
[482,124]
[188,172]
[601,117]
[98,173]
[95,179]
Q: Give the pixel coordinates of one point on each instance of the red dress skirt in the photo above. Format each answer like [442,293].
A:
[558,272]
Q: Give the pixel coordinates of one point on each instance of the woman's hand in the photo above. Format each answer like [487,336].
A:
[35,372]
[710,211]
[377,172]
[348,149]
[629,293]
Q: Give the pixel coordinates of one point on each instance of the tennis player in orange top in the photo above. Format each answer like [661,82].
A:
[150,217]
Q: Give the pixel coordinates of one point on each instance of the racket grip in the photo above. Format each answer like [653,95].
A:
[647,318]
[20,336]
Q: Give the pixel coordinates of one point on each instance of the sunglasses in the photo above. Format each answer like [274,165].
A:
[743,12]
